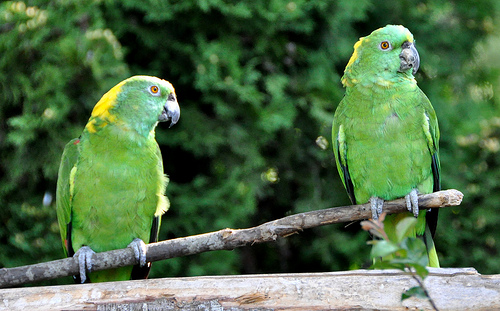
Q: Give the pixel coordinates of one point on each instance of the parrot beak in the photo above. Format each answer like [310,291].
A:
[171,111]
[409,57]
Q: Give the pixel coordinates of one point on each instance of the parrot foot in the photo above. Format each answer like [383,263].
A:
[84,255]
[139,248]
[376,205]
[412,202]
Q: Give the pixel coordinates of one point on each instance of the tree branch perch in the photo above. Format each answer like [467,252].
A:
[226,239]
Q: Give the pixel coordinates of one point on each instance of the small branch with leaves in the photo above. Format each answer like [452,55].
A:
[226,239]
[401,252]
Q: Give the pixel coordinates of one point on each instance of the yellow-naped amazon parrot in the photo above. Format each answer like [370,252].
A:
[111,184]
[385,131]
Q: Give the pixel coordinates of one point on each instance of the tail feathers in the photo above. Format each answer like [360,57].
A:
[431,248]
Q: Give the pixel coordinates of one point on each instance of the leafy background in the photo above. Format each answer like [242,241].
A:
[258,82]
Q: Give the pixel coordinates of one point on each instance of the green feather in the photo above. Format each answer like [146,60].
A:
[385,131]
[111,183]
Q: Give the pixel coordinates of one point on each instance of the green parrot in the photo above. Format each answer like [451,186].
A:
[385,131]
[111,185]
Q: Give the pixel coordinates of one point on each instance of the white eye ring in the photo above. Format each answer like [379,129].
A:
[385,46]
[154,90]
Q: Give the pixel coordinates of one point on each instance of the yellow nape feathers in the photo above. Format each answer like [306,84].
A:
[101,109]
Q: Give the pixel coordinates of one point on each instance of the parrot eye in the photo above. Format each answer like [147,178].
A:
[154,90]
[385,45]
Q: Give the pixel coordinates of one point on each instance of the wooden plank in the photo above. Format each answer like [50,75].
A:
[451,289]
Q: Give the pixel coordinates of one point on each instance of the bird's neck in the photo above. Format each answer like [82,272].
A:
[384,79]
[116,135]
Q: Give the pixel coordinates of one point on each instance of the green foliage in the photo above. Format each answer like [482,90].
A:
[258,82]
[401,252]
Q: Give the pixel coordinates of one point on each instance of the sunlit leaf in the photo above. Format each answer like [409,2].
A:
[404,227]
[383,248]
[416,291]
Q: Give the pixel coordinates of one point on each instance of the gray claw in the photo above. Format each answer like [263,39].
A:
[84,255]
[412,202]
[139,248]
[376,205]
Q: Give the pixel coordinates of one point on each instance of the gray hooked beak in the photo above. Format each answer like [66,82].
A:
[409,57]
[171,111]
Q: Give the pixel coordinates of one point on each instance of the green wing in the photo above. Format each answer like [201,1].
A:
[63,193]
[432,134]
[431,130]
[339,150]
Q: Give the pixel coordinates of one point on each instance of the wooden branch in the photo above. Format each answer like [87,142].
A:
[226,239]
[450,289]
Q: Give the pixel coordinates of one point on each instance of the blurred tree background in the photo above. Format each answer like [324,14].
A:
[258,82]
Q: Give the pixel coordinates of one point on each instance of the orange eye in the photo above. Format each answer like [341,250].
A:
[154,90]
[385,45]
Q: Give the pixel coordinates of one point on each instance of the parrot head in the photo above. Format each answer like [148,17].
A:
[387,55]
[137,103]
